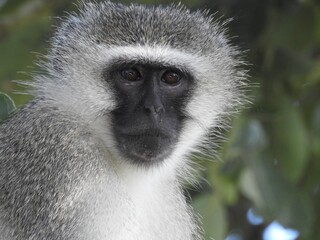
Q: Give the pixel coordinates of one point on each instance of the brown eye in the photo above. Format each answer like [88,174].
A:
[171,77]
[131,74]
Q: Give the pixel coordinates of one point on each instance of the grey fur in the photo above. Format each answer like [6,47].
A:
[60,178]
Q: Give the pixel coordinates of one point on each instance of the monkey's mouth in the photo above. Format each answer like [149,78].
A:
[146,147]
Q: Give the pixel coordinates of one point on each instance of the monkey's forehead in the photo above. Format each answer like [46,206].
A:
[117,24]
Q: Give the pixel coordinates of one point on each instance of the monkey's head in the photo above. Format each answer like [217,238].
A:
[159,78]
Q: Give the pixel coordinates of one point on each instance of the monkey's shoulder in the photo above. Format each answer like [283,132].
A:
[42,132]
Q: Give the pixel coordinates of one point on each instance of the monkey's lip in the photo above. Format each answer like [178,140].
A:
[158,133]
[146,146]
[148,157]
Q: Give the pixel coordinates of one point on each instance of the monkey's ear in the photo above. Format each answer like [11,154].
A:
[56,61]
[64,42]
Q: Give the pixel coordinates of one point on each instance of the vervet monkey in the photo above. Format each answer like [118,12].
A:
[100,153]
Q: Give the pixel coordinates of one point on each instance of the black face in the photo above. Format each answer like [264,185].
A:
[149,116]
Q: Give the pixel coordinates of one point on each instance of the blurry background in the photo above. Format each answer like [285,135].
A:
[265,184]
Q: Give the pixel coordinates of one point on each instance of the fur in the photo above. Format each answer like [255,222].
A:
[61,176]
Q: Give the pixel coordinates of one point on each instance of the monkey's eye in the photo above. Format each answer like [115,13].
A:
[130,74]
[171,77]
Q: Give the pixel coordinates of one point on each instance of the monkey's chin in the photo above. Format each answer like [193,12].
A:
[148,157]
[145,150]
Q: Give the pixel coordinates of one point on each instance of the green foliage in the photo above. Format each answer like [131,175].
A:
[272,160]
[11,6]
[211,209]
[6,106]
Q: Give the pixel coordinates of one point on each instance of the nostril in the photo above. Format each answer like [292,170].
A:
[153,110]
[153,104]
[149,109]
[158,109]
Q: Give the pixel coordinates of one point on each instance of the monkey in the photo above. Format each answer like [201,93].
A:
[126,93]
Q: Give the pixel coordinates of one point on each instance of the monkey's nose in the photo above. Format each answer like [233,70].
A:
[154,111]
[153,105]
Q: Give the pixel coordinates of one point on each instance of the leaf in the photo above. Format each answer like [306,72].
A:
[316,120]
[250,188]
[223,180]
[6,106]
[289,142]
[213,216]
[248,136]
[274,196]
[282,28]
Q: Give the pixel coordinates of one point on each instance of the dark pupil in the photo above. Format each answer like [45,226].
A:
[130,74]
[171,77]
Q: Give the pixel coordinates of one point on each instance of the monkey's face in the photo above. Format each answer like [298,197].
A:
[149,114]
[162,77]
